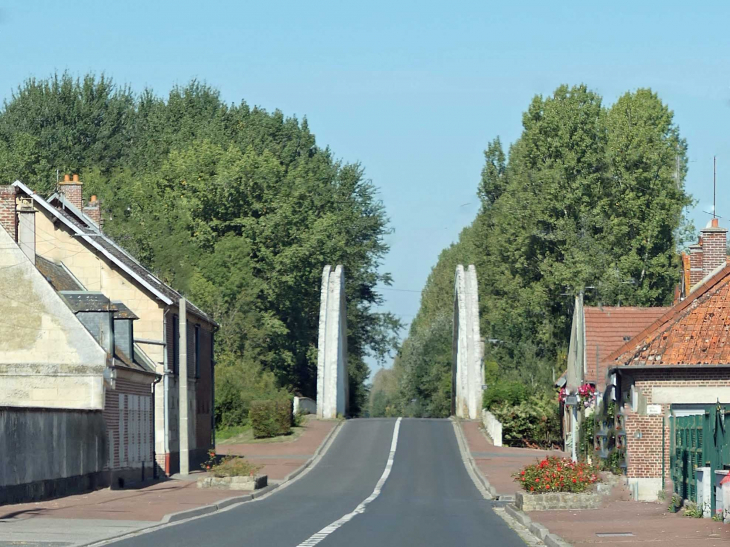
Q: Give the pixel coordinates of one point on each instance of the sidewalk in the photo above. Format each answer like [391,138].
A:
[281,458]
[620,521]
[80,519]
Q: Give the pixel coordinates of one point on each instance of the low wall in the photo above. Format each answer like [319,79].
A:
[557,501]
[493,427]
[51,453]
[305,405]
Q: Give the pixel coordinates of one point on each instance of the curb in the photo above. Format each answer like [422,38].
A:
[228,502]
[488,490]
[535,528]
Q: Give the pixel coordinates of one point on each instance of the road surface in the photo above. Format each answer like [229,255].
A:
[354,498]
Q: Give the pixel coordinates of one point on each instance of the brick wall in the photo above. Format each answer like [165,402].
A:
[204,391]
[714,247]
[695,265]
[72,192]
[94,213]
[644,455]
[8,217]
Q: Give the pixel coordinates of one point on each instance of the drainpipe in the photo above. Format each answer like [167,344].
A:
[663,449]
[154,435]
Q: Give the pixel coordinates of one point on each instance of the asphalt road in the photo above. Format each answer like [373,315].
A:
[428,498]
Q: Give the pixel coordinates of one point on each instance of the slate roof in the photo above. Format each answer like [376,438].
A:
[88,231]
[695,331]
[607,329]
[122,311]
[85,301]
[59,278]
[122,256]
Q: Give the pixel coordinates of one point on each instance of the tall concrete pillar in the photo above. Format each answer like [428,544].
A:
[332,381]
[468,367]
[183,384]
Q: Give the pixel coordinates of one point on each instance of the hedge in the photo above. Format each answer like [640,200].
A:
[270,418]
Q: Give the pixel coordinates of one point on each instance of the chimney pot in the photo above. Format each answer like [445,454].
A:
[93,199]
[67,178]
[714,223]
[76,178]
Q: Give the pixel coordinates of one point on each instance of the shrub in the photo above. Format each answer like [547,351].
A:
[534,422]
[229,466]
[557,475]
[510,393]
[271,418]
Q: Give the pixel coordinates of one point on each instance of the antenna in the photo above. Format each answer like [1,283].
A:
[714,186]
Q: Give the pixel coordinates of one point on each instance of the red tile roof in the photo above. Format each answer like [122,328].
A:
[694,332]
[607,329]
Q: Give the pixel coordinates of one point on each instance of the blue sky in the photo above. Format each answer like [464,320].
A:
[412,90]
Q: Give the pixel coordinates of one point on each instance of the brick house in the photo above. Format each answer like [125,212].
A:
[64,238]
[677,365]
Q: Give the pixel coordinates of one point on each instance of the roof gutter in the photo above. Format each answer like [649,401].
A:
[667,367]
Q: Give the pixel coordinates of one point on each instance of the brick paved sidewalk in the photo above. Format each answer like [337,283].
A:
[648,524]
[152,502]
[497,463]
[628,523]
[281,458]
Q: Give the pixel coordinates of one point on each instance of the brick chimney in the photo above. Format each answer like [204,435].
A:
[695,264]
[93,211]
[71,189]
[8,216]
[714,247]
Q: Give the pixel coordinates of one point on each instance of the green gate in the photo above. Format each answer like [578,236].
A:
[687,454]
[701,440]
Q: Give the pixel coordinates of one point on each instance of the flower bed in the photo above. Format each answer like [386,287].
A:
[557,475]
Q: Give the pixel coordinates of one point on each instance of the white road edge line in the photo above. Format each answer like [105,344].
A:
[360,509]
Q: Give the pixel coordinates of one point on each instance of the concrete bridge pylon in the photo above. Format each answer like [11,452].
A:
[332,380]
[467,372]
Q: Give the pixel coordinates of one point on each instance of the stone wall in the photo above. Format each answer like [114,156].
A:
[557,501]
[54,453]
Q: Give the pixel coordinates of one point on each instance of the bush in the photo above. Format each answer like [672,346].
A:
[533,423]
[229,466]
[510,393]
[270,418]
[557,475]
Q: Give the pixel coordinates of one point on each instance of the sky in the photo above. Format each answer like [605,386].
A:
[413,91]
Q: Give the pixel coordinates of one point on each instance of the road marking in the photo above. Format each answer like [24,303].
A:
[360,509]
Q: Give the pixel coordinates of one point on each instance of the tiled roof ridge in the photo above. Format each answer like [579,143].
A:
[653,331]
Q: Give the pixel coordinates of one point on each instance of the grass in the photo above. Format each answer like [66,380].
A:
[244,435]
[235,467]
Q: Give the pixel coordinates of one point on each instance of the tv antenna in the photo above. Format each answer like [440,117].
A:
[714,190]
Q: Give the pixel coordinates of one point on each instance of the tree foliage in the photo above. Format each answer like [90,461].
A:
[589,199]
[236,207]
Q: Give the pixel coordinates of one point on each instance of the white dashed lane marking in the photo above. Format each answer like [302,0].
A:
[327,530]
